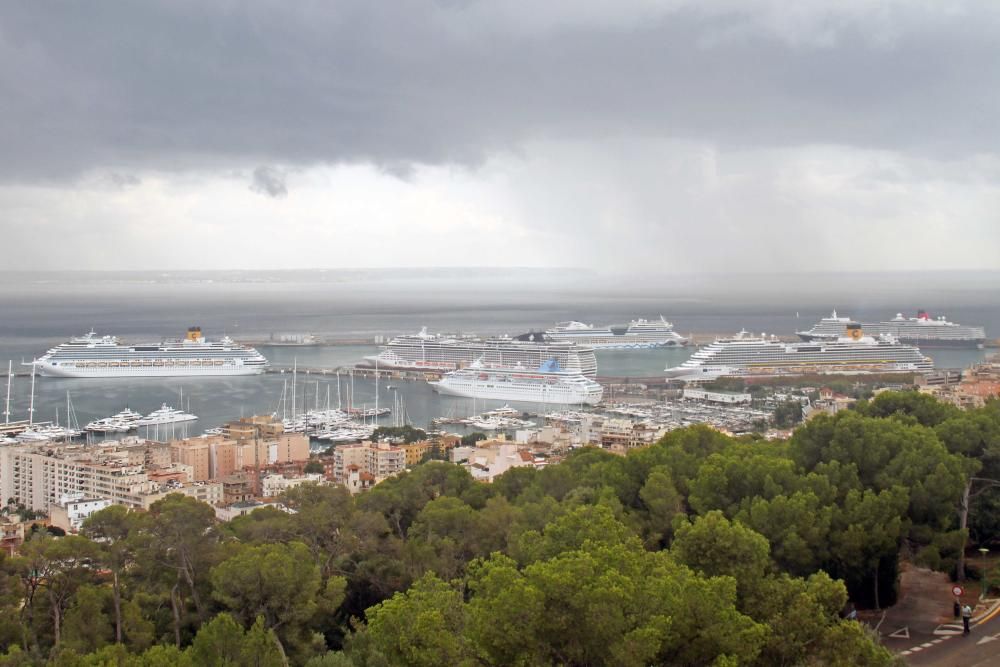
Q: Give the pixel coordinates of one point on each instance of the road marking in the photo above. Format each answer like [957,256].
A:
[906,652]
[927,645]
[949,629]
[915,649]
[902,633]
[936,641]
[984,640]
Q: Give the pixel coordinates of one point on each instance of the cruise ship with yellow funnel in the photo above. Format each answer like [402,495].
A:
[852,353]
[93,356]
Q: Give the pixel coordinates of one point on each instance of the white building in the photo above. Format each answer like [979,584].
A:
[275,485]
[72,509]
[722,397]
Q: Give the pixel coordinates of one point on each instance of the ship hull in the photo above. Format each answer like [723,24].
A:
[940,343]
[500,394]
[46,370]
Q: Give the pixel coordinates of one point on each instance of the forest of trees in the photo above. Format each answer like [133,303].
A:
[699,550]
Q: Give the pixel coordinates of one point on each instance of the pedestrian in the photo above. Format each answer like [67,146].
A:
[966,617]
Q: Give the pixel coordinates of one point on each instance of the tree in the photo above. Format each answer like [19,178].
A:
[422,627]
[314,468]
[219,643]
[87,628]
[276,584]
[116,530]
[58,566]
[714,546]
[183,539]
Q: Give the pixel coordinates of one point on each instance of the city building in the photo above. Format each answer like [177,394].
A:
[274,485]
[379,459]
[485,463]
[73,509]
[11,536]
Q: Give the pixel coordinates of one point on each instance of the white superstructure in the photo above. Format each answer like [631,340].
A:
[854,353]
[165,415]
[445,352]
[921,330]
[640,334]
[548,384]
[105,356]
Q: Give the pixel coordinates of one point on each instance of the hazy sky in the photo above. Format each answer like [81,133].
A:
[667,135]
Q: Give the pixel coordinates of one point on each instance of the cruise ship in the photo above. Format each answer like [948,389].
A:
[640,334]
[445,352]
[850,354]
[548,384]
[921,330]
[104,356]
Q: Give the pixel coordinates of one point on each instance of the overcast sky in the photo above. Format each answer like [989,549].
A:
[650,135]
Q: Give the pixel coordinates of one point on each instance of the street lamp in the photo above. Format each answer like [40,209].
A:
[982,593]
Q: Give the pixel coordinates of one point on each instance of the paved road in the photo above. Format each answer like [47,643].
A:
[946,646]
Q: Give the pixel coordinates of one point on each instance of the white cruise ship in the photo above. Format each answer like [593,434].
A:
[104,356]
[548,384]
[921,330]
[640,334]
[853,353]
[443,352]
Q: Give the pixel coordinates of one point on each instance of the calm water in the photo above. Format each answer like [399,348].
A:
[38,313]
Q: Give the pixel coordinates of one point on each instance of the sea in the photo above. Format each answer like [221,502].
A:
[40,310]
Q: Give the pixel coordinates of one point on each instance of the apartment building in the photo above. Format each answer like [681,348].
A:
[378,459]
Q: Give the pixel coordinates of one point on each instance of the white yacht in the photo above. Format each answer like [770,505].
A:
[853,353]
[124,421]
[548,384]
[165,415]
[104,356]
[922,330]
[448,352]
[640,334]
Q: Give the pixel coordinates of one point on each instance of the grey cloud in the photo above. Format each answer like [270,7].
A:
[122,180]
[181,84]
[269,181]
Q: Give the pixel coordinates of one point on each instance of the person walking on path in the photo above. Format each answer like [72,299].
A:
[966,617]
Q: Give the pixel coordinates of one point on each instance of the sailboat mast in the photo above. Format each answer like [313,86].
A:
[31,404]
[376,390]
[295,372]
[6,410]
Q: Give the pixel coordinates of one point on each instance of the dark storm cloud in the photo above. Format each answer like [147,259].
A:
[175,85]
[269,181]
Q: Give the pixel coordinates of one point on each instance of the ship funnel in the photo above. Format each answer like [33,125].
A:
[194,334]
[854,331]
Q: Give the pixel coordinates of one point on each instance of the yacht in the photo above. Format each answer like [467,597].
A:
[124,421]
[165,415]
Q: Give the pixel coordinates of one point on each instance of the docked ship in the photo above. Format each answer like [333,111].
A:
[548,384]
[165,415]
[443,352]
[104,356]
[921,330]
[850,354]
[640,334]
